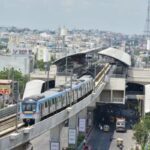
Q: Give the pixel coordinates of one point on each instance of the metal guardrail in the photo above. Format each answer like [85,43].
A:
[7,111]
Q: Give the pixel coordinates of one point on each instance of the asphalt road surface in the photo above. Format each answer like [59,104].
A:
[100,140]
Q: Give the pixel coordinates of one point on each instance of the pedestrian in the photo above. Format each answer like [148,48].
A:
[100,127]
[84,141]
[86,148]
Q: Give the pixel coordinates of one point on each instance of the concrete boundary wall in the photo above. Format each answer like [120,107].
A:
[25,135]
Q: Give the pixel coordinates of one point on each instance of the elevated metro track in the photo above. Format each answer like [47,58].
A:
[26,134]
[8,124]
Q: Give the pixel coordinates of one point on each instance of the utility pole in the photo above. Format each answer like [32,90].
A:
[47,67]
[16,88]
[63,33]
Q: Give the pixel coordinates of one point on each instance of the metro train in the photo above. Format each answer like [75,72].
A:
[35,87]
[35,108]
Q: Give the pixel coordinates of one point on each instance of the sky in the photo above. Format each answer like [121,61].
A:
[125,16]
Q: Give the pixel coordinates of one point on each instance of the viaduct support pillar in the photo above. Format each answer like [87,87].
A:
[82,121]
[73,131]
[55,143]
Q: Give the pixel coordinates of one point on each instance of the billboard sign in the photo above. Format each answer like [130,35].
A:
[5,89]
[54,146]
[147,99]
[82,125]
[72,136]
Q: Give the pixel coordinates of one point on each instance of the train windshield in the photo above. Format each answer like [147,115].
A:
[29,107]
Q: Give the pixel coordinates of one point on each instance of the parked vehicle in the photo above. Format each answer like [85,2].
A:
[121,124]
[106,128]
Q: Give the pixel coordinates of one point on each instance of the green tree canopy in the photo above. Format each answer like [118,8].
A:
[142,130]
[16,75]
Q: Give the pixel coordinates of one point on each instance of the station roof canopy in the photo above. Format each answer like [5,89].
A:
[117,54]
[79,53]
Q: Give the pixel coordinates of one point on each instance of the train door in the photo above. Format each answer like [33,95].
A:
[83,89]
[63,100]
[70,96]
[59,102]
[55,103]
[80,92]
[49,106]
[91,85]
[88,87]
[52,105]
[41,110]
[67,98]
[46,108]
[75,95]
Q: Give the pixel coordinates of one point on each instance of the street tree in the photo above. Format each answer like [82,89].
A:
[15,75]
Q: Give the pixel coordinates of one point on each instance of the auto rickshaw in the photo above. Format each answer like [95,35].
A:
[119,142]
[106,128]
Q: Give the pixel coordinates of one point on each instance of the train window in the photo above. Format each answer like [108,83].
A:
[41,106]
[45,104]
[62,98]
[29,107]
[59,98]
[77,93]
[88,85]
[53,101]
[80,89]
[49,102]
[65,98]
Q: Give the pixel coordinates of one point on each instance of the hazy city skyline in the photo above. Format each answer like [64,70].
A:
[126,16]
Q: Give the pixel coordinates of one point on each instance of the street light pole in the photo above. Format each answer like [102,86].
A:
[71,86]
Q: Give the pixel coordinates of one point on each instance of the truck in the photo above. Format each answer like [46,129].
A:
[120,124]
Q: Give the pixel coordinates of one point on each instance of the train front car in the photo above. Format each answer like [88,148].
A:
[29,111]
